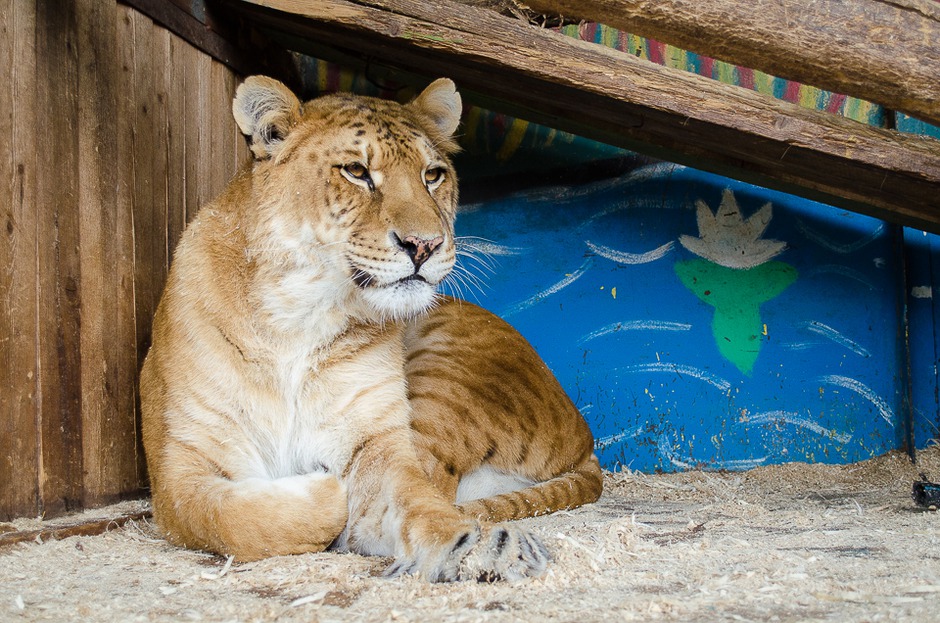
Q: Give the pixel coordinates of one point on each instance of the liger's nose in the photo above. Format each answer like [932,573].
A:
[419,249]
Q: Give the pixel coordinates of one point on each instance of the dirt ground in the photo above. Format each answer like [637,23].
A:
[781,543]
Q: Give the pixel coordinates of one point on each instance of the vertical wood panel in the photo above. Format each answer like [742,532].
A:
[94,149]
[108,424]
[125,183]
[159,82]
[19,372]
[145,206]
[123,174]
[203,130]
[219,99]
[175,133]
[194,120]
[59,262]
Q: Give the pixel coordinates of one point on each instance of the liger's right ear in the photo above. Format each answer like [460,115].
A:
[265,111]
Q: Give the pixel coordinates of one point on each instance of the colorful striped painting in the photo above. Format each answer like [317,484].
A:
[677,58]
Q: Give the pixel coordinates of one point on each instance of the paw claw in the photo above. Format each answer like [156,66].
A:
[399,568]
[484,553]
[506,553]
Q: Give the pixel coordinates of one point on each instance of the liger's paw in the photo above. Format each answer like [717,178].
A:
[440,562]
[483,553]
[505,553]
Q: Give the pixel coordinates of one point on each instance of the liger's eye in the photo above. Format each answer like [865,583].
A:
[358,173]
[434,175]
[357,170]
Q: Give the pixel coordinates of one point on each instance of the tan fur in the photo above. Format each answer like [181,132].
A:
[299,394]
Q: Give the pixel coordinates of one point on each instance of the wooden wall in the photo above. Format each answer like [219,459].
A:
[113,132]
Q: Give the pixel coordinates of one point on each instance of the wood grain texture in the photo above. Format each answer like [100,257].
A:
[220,105]
[93,164]
[60,277]
[123,170]
[106,420]
[883,51]
[19,372]
[610,96]
[174,135]
[140,43]
[202,129]
[195,77]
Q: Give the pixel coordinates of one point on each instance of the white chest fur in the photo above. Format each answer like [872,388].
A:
[305,409]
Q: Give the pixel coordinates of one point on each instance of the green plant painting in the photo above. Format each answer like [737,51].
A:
[735,275]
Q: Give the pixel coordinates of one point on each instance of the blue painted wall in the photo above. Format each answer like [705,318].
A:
[696,327]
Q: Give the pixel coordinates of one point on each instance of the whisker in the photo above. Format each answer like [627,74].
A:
[486,246]
[472,279]
[479,256]
[484,263]
[479,271]
[462,279]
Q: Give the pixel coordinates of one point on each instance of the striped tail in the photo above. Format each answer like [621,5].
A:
[580,486]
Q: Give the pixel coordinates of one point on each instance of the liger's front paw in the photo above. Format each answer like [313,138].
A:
[487,553]
[505,553]
[439,562]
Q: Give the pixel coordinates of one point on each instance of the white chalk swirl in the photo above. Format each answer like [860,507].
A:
[623,257]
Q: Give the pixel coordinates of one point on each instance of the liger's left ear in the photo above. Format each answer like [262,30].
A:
[440,104]
[265,111]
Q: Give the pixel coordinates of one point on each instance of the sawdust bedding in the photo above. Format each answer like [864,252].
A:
[781,543]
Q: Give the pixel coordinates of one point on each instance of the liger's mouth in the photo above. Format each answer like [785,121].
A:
[414,277]
[366,280]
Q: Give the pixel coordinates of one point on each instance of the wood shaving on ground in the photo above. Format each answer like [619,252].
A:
[782,543]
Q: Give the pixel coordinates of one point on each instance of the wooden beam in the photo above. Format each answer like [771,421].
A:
[884,51]
[610,96]
[91,527]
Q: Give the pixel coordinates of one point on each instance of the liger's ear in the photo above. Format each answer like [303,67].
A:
[265,111]
[440,104]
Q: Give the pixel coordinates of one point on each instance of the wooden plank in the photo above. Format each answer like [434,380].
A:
[610,96]
[162,55]
[124,375]
[108,420]
[125,173]
[148,229]
[19,372]
[195,76]
[883,51]
[202,129]
[92,527]
[220,107]
[228,139]
[60,280]
[175,145]
[95,154]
